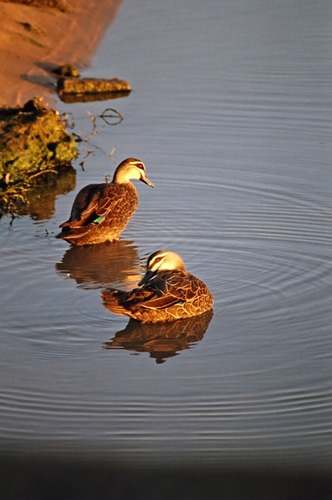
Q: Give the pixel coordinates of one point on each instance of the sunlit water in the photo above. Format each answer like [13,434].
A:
[231,113]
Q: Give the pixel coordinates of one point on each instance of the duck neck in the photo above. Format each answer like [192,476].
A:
[120,179]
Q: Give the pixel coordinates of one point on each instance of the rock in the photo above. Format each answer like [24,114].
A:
[92,86]
[67,70]
[32,139]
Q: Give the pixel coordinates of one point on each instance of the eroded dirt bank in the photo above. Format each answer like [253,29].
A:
[34,39]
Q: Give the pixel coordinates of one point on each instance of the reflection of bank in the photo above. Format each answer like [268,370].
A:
[94,266]
[38,199]
[91,97]
[161,340]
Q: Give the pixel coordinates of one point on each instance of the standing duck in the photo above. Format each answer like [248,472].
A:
[167,292]
[101,212]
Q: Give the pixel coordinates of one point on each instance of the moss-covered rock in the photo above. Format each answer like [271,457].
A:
[92,85]
[32,139]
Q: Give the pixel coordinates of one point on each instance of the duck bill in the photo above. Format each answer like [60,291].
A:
[147,276]
[147,181]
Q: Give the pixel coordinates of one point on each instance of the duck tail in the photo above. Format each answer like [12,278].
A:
[111,300]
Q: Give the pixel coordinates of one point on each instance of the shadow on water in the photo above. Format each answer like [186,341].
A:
[161,340]
[42,477]
[95,266]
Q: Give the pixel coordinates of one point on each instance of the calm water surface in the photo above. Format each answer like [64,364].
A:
[231,113]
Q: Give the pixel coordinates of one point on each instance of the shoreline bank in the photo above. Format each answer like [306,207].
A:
[34,39]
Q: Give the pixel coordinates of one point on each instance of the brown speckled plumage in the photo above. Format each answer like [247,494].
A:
[165,295]
[101,212]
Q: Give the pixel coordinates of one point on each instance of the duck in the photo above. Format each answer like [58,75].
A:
[101,212]
[167,292]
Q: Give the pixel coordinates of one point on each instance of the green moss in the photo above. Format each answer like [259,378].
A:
[32,139]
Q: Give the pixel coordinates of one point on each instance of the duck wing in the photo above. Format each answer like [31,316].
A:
[153,295]
[165,290]
[86,206]
[93,203]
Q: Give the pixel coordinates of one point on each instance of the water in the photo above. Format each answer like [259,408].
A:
[231,113]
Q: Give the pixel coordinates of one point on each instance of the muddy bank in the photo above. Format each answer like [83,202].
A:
[35,39]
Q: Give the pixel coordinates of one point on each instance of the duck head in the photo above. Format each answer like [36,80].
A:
[131,168]
[162,260]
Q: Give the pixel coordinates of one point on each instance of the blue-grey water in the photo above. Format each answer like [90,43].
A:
[231,112]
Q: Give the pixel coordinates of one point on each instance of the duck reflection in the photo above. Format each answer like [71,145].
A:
[161,340]
[94,266]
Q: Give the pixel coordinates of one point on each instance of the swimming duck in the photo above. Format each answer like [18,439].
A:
[100,212]
[167,292]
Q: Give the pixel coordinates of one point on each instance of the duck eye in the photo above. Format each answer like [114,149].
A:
[140,166]
[156,260]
